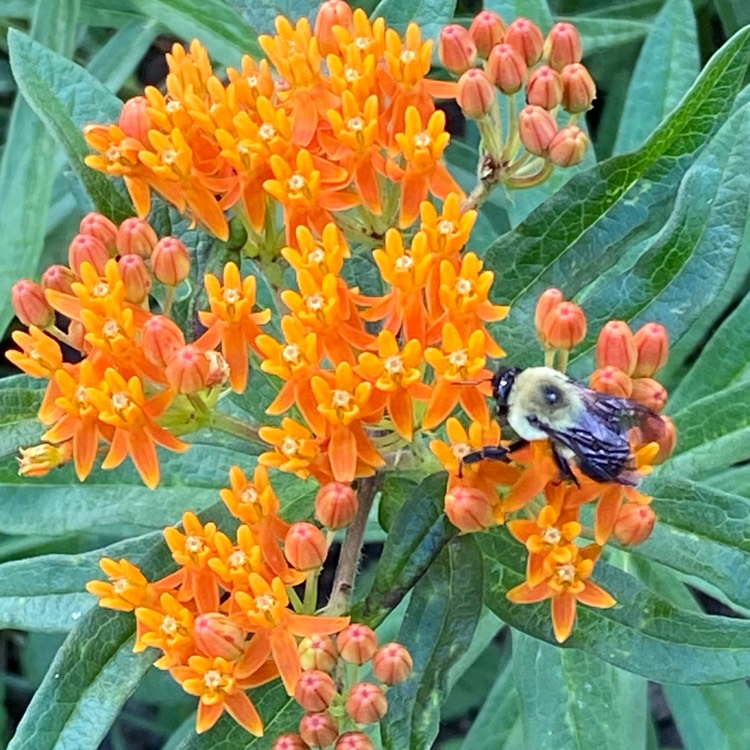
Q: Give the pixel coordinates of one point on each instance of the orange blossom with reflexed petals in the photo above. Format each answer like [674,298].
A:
[126,589]
[295,451]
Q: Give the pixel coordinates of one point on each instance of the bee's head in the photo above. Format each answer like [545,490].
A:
[502,382]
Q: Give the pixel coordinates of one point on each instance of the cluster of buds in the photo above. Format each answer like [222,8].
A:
[492,59]
[224,621]
[338,705]
[482,495]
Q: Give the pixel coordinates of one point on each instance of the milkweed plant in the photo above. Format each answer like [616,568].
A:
[259,306]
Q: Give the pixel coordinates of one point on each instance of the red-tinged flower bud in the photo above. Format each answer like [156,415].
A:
[290,741]
[392,664]
[218,369]
[60,278]
[537,128]
[170,261]
[99,226]
[136,277]
[563,46]
[564,326]
[336,505]
[667,440]
[31,305]
[652,343]
[188,370]
[216,635]
[315,691]
[357,643]
[87,249]
[136,237]
[547,300]
[469,509]
[354,741]
[506,68]
[77,335]
[616,347]
[487,29]
[545,88]
[476,94]
[579,89]
[527,38]
[134,119]
[332,13]
[318,652]
[319,730]
[613,381]
[161,338]
[366,703]
[568,147]
[456,49]
[634,524]
[648,392]
[305,546]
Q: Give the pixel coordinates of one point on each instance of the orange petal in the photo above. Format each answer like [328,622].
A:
[525,594]
[284,650]
[596,596]
[85,445]
[243,711]
[118,451]
[366,179]
[563,615]
[307,625]
[402,413]
[443,401]
[234,349]
[143,450]
[342,453]
[413,192]
[208,715]
[607,510]
[256,653]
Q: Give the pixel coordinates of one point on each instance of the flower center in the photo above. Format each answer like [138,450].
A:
[566,573]
[266,131]
[169,156]
[110,329]
[394,364]
[446,226]
[264,603]
[404,263]
[459,358]
[168,625]
[290,354]
[112,153]
[252,82]
[351,75]
[363,42]
[290,446]
[120,585]
[237,559]
[120,401]
[356,124]
[461,449]
[552,535]
[408,55]
[316,302]
[173,107]
[296,182]
[81,396]
[464,287]
[212,679]
[423,139]
[101,289]
[317,256]
[193,544]
[231,296]
[341,399]
[250,495]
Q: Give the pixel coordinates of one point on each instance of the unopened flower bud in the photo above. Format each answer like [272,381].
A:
[456,49]
[579,89]
[652,343]
[136,277]
[568,147]
[354,741]
[319,730]
[318,652]
[537,128]
[487,29]
[31,305]
[563,46]
[476,94]
[667,440]
[170,261]
[634,524]
[87,249]
[506,68]
[332,13]
[188,370]
[336,505]
[136,237]
[366,703]
[134,119]
[564,326]
[39,460]
[305,546]
[616,347]
[544,88]
[392,664]
[612,380]
[161,338]
[60,278]
[357,643]
[290,741]
[99,226]
[315,690]
[216,635]
[469,509]
[648,392]
[527,38]
[547,300]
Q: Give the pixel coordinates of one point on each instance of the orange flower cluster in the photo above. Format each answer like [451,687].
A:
[480,495]
[134,369]
[223,620]
[334,119]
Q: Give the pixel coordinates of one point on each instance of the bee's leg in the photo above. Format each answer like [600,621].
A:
[488,453]
[516,445]
[566,473]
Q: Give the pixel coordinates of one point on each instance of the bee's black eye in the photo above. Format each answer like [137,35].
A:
[551,395]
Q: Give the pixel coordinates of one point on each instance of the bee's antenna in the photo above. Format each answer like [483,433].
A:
[473,382]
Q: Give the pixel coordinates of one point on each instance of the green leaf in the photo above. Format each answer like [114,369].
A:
[215,23]
[25,177]
[439,625]
[431,15]
[570,698]
[734,14]
[20,398]
[667,66]
[644,633]
[260,14]
[535,10]
[420,531]
[598,34]
[66,97]
[583,229]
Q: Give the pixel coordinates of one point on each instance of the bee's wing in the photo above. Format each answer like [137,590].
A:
[621,414]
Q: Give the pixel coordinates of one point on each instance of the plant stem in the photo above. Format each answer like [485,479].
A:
[351,549]
[169,299]
[233,426]
[310,603]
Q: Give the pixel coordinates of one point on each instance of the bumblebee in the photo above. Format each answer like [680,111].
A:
[584,426]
